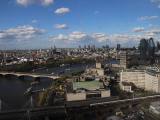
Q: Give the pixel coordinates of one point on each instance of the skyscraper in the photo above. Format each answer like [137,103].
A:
[123,59]
[118,46]
[147,49]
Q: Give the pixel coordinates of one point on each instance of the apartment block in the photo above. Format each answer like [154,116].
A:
[148,79]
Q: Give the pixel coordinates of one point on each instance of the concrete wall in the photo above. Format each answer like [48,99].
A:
[105,93]
[75,96]
[126,88]
[152,83]
[138,78]
[147,81]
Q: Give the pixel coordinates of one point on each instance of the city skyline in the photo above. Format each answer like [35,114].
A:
[70,23]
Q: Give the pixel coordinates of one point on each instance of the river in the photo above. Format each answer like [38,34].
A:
[12,88]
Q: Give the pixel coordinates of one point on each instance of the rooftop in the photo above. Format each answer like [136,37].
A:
[89,85]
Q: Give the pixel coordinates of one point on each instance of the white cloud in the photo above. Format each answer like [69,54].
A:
[154,32]
[30,2]
[127,39]
[74,36]
[81,36]
[46,2]
[34,21]
[62,11]
[20,33]
[24,2]
[151,31]
[59,38]
[61,26]
[143,18]
[77,35]
[156,2]
[138,29]
[100,37]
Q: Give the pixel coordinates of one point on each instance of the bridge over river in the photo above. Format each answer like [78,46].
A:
[18,74]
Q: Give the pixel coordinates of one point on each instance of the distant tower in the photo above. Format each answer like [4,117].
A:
[79,47]
[94,47]
[89,47]
[55,47]
[118,46]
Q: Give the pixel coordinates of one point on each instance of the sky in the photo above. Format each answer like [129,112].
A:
[28,24]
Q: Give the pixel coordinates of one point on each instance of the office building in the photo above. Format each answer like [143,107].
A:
[148,79]
[123,59]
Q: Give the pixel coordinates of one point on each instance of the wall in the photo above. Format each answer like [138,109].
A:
[136,77]
[147,81]
[75,96]
[152,83]
[105,93]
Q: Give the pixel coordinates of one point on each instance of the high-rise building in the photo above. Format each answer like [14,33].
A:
[118,46]
[123,59]
[147,49]
[79,47]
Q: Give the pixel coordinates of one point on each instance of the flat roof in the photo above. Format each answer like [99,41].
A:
[89,85]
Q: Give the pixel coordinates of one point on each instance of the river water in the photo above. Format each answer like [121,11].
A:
[12,88]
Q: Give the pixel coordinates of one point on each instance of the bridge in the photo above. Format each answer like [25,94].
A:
[30,74]
[61,111]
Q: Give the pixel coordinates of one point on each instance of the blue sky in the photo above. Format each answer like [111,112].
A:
[70,23]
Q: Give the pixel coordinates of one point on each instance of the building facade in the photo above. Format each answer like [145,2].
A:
[134,76]
[148,79]
[123,59]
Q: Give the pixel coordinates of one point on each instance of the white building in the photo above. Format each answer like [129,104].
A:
[133,76]
[98,71]
[123,59]
[125,86]
[152,80]
[148,79]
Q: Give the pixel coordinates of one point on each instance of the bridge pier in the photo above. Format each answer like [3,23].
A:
[28,115]
[37,79]
[31,100]
[46,118]
[21,77]
[1,75]
[0,105]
